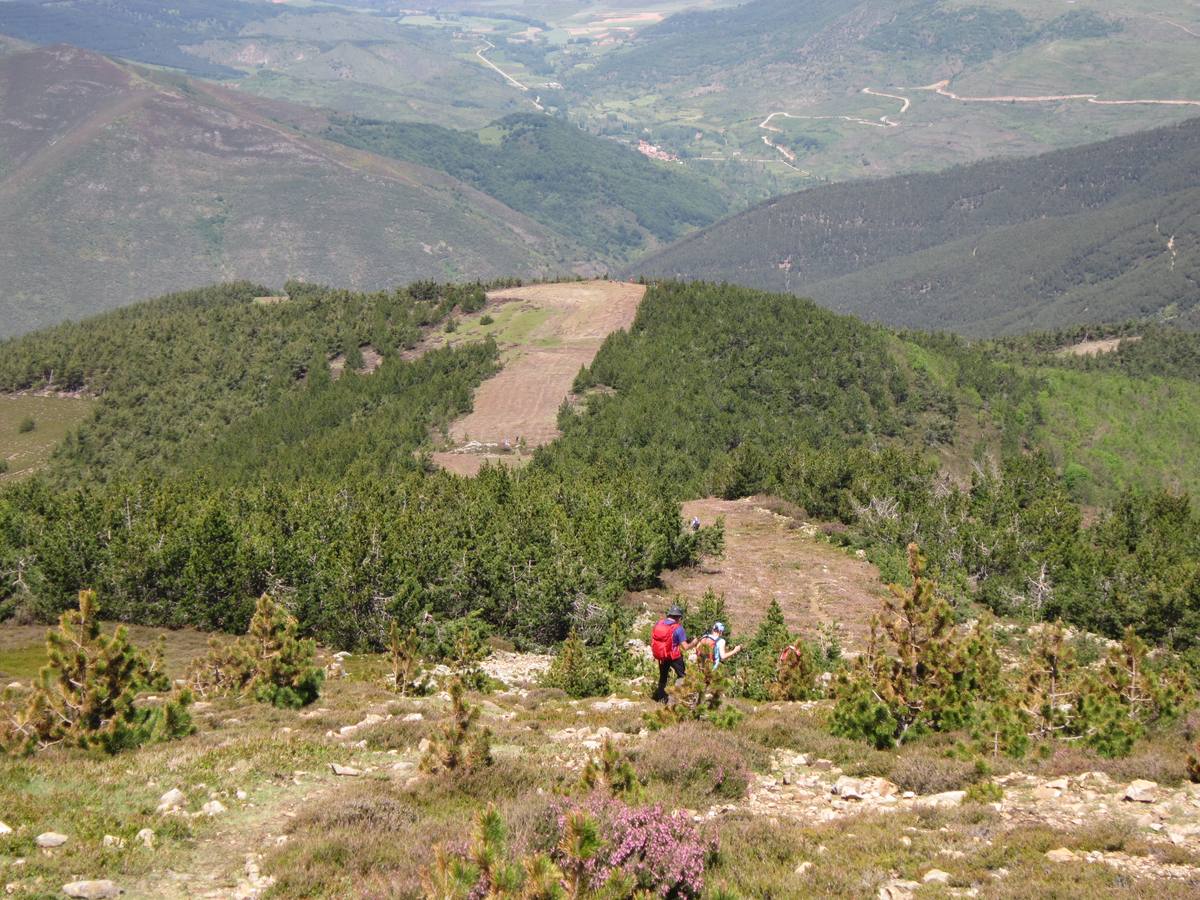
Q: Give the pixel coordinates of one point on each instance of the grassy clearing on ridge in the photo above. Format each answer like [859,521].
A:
[53,417]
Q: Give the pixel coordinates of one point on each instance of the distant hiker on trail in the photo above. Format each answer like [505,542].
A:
[695,523]
[713,644]
[668,643]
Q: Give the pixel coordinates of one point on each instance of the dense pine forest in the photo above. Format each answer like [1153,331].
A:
[223,459]
[763,395]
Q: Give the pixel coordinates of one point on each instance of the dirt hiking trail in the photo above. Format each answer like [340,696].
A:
[546,334]
[768,557]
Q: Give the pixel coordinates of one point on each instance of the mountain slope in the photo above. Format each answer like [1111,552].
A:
[117,183]
[144,30]
[1101,232]
[603,195]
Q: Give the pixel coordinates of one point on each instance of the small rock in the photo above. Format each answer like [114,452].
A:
[172,799]
[936,876]
[944,799]
[1059,784]
[905,841]
[414,717]
[241,795]
[111,840]
[146,838]
[91,890]
[1045,792]
[5,830]
[803,868]
[1061,855]
[424,746]
[48,840]
[848,788]
[1141,791]
[213,808]
[898,890]
[348,771]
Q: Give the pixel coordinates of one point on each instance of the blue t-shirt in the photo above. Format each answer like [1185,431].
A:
[678,636]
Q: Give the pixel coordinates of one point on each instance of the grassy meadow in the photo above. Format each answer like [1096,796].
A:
[25,452]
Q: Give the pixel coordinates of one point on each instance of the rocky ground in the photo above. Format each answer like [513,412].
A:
[212,816]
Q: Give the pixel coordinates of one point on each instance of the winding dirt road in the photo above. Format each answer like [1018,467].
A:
[942,88]
[536,101]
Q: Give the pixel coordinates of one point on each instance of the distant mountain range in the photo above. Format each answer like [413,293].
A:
[1103,232]
[118,182]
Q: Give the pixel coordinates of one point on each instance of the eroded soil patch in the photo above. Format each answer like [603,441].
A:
[772,557]
[558,330]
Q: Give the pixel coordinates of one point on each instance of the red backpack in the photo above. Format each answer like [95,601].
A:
[662,644]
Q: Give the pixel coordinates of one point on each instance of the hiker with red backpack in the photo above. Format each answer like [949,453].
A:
[668,643]
[712,646]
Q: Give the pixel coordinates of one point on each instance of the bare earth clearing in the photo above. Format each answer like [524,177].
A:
[769,556]
[1095,348]
[522,400]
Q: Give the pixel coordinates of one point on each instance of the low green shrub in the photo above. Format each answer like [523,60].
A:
[699,762]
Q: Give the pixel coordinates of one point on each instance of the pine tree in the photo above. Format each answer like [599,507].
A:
[271,662]
[611,771]
[318,374]
[1119,702]
[795,674]
[467,654]
[462,745]
[85,695]
[918,673]
[1049,685]
[354,357]
[575,671]
[408,675]
[487,871]
[756,667]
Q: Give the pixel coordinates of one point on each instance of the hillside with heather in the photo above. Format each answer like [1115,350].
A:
[1097,233]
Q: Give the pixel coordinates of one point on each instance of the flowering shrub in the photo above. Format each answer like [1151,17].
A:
[658,851]
[698,760]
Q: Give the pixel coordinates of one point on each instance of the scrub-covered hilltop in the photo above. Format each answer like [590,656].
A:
[1028,675]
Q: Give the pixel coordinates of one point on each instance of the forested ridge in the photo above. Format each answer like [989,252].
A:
[224,460]
[763,394]
[174,373]
[261,472]
[1100,232]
